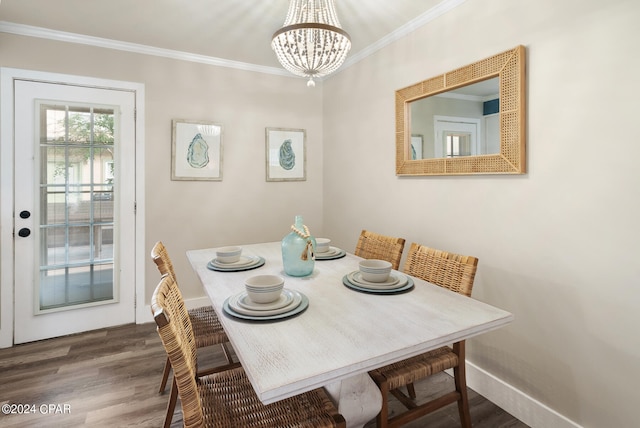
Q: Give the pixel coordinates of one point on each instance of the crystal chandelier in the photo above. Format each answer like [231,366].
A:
[311,43]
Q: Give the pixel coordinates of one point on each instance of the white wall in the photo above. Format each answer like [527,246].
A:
[243,207]
[558,246]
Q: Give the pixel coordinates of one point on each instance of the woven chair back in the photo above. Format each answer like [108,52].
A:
[161,258]
[452,271]
[372,245]
[176,333]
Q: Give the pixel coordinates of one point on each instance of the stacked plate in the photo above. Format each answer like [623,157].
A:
[290,303]
[245,263]
[331,254]
[397,283]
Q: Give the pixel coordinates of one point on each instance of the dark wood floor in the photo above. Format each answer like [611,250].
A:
[110,378]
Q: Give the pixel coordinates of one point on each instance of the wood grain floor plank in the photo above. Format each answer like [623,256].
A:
[110,378]
[35,357]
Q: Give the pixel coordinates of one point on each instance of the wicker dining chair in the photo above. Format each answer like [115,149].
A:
[207,329]
[372,245]
[456,273]
[224,397]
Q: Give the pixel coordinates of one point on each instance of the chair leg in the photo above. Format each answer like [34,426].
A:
[171,406]
[383,415]
[463,402]
[460,379]
[227,353]
[411,390]
[165,375]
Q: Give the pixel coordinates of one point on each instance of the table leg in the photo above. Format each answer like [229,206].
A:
[358,399]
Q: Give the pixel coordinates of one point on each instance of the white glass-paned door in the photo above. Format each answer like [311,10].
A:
[74,201]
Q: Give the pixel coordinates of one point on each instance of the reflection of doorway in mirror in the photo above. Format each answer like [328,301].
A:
[458,144]
[466,129]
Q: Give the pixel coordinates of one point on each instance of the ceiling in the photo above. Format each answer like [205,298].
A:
[236,30]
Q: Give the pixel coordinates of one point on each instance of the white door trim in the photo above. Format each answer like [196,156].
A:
[442,124]
[7,77]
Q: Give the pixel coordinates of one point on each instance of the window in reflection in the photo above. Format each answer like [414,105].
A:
[458,145]
[467,130]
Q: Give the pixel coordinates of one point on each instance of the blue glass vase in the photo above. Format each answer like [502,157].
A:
[298,250]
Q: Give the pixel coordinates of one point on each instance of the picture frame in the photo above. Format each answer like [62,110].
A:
[286,158]
[196,150]
[416,146]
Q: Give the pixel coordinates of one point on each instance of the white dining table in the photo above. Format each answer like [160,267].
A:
[342,334]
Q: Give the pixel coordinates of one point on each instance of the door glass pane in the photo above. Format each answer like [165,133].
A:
[76,205]
[458,144]
[74,286]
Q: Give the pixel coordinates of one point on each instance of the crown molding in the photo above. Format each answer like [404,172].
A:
[439,9]
[62,36]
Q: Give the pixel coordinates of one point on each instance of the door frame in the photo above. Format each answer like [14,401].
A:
[443,124]
[7,286]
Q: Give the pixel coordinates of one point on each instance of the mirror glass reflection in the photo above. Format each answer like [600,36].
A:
[461,122]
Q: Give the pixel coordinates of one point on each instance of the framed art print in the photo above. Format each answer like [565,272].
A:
[196,151]
[286,154]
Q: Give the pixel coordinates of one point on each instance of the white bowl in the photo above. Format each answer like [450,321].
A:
[228,254]
[264,288]
[322,245]
[374,270]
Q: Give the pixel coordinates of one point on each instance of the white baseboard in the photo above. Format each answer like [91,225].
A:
[527,409]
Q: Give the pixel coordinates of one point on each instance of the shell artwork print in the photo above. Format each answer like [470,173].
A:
[287,156]
[198,152]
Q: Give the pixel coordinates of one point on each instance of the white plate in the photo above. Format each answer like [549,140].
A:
[357,277]
[236,307]
[243,262]
[285,298]
[380,290]
[304,304]
[396,280]
[228,267]
[332,251]
[331,255]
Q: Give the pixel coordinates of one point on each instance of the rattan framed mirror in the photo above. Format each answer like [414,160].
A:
[510,158]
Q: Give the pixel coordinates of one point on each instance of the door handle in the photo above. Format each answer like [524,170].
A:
[25,214]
